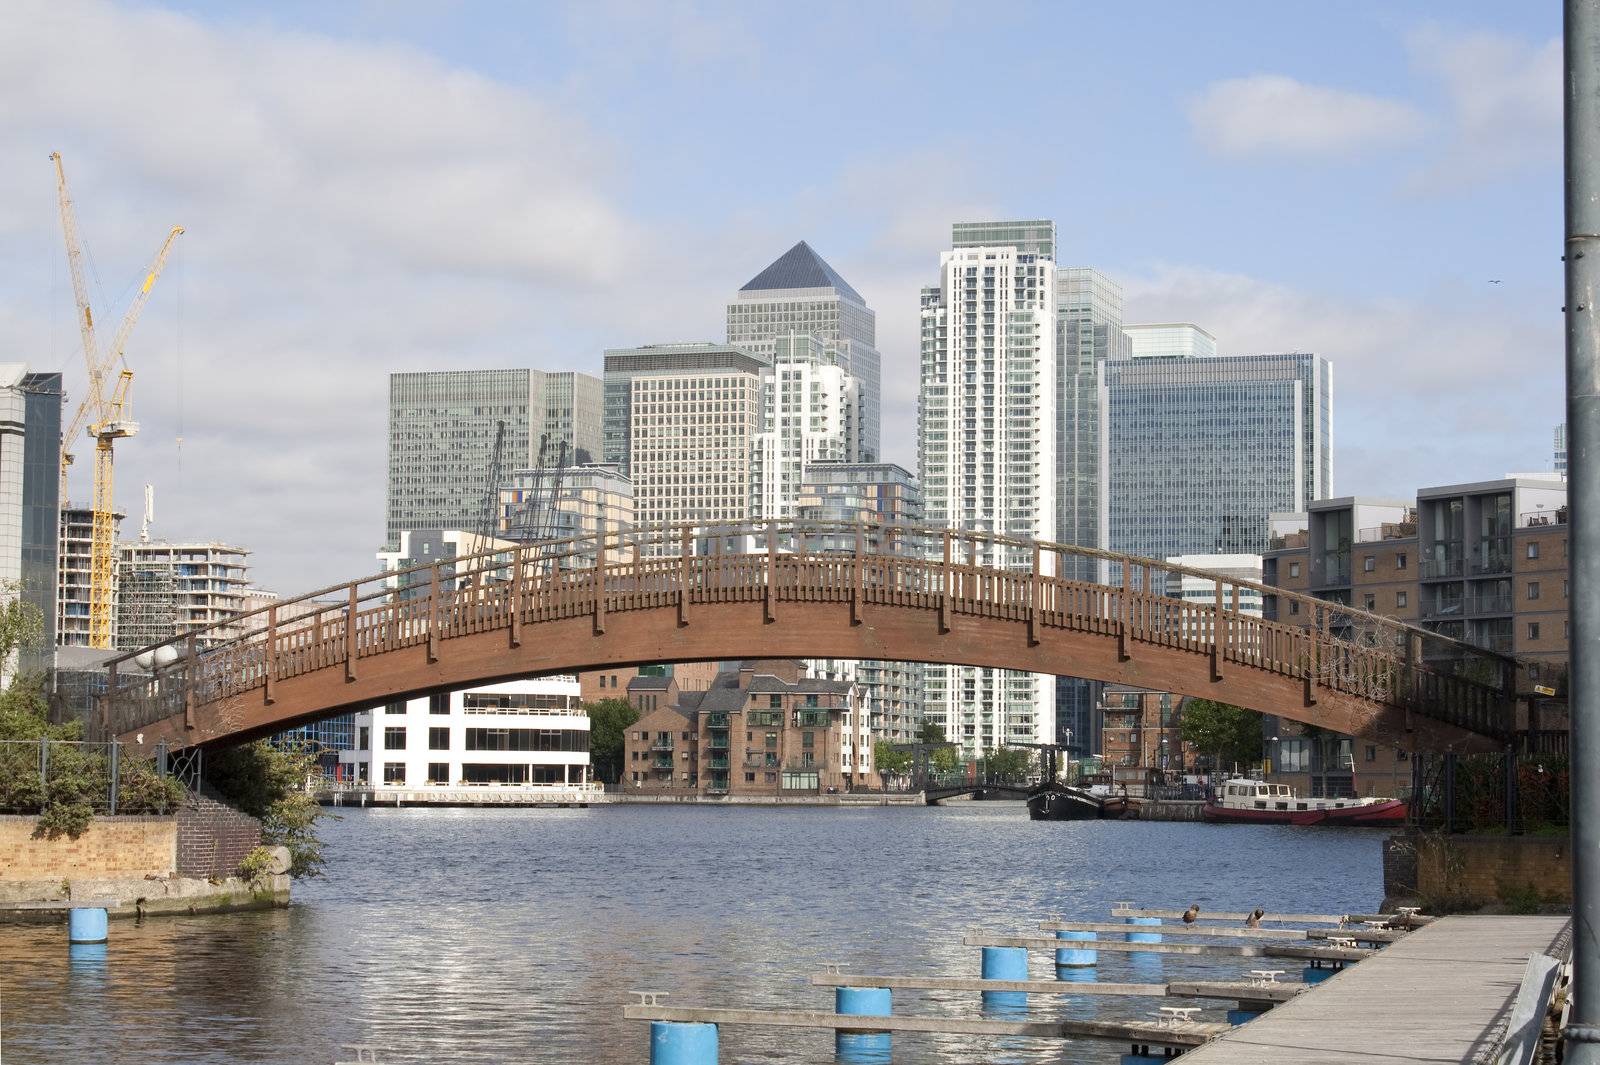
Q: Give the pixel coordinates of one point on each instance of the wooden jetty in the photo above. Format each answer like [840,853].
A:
[1441,994]
[1365,935]
[1158,1032]
[1401,919]
[1217,950]
[1235,990]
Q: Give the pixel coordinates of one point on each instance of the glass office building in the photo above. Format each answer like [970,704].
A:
[1201,451]
[799,293]
[1169,340]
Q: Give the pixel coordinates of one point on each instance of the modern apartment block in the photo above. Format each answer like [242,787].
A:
[443,428]
[532,734]
[1560,459]
[799,293]
[424,547]
[986,444]
[810,406]
[681,419]
[766,729]
[1169,340]
[1484,563]
[555,503]
[167,589]
[72,578]
[1202,450]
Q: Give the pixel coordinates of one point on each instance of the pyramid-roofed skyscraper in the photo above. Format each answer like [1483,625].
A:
[800,293]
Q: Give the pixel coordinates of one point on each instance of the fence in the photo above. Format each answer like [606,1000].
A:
[36,774]
[1523,790]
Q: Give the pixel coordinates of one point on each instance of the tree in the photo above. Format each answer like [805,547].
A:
[889,761]
[270,783]
[945,759]
[1008,764]
[1229,734]
[932,732]
[608,726]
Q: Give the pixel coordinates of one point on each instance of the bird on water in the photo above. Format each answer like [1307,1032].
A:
[1191,913]
[1254,920]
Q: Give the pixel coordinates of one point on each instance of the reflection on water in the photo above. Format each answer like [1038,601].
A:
[490,936]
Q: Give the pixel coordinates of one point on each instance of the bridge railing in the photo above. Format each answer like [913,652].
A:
[683,567]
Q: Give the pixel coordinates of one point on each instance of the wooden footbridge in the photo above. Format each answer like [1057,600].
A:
[805,590]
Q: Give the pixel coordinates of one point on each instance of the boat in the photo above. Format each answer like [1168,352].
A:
[1057,802]
[1245,801]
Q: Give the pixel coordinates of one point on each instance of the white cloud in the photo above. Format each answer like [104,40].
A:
[1270,114]
[1450,387]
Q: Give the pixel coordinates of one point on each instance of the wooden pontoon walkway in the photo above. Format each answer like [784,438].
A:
[1440,994]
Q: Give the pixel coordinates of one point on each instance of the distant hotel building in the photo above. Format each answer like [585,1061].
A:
[530,733]
[800,294]
[764,730]
[987,444]
[72,578]
[442,431]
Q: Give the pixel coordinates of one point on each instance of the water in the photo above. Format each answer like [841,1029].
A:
[490,936]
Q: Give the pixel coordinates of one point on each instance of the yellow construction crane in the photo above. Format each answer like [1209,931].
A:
[108,415]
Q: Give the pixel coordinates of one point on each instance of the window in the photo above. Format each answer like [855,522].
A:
[439,703]
[394,738]
[808,739]
[1400,600]
[438,772]
[749,778]
[365,740]
[1294,606]
[1369,563]
[394,772]
[438,739]
[1533,549]
[1294,569]
[399,709]
[1533,630]
[1369,602]
[1533,589]
[1294,756]
[1400,560]
[1372,753]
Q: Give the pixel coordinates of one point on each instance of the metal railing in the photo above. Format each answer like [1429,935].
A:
[688,567]
[35,774]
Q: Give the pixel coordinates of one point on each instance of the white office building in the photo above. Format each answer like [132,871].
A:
[1169,340]
[986,445]
[521,734]
[809,405]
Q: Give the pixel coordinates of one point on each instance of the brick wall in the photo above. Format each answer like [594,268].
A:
[1484,868]
[111,846]
[213,837]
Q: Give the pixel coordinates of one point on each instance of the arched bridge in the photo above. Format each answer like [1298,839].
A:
[806,590]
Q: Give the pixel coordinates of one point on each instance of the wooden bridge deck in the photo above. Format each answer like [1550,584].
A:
[1441,994]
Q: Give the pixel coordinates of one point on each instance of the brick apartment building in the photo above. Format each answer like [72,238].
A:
[1139,730]
[765,729]
[1485,563]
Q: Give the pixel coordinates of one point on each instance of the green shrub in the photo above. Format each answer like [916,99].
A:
[256,865]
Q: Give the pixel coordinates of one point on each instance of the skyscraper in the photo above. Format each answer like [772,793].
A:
[986,443]
[1169,340]
[809,409]
[682,418]
[1561,449]
[442,431]
[1201,450]
[800,293]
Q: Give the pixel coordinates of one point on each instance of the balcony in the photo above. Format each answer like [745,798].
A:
[662,763]
[811,718]
[719,719]
[718,743]
[661,745]
[1489,604]
[1443,565]
[717,761]
[1496,642]
[1492,555]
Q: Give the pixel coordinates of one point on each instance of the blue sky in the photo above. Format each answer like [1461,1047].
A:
[382,186]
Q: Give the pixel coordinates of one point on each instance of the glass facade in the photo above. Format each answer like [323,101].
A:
[622,365]
[1169,340]
[41,503]
[1561,449]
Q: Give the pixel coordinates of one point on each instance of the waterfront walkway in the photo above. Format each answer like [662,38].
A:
[1440,994]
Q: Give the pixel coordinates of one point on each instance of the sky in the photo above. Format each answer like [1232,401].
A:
[371,187]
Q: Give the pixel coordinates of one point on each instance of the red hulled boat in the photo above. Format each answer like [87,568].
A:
[1242,801]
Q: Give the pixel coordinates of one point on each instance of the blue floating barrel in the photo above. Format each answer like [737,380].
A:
[863,1046]
[1315,974]
[1077,957]
[675,1043]
[1005,963]
[1143,937]
[86,924]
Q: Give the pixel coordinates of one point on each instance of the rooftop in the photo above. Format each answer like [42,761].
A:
[800,267]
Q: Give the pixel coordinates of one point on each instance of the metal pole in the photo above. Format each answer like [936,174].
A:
[1582,121]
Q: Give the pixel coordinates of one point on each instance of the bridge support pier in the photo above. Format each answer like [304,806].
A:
[862,1046]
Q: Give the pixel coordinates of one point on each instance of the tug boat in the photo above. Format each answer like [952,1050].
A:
[1057,802]
[1244,801]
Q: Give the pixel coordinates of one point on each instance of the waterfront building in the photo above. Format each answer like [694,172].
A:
[1140,732]
[443,428]
[882,493]
[72,577]
[1482,562]
[557,503]
[1201,450]
[1169,340]
[799,293]
[764,729]
[986,444]
[531,733]
[809,408]
[167,588]
[685,417]
[1239,567]
[1561,449]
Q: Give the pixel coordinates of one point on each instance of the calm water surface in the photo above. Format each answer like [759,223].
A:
[468,936]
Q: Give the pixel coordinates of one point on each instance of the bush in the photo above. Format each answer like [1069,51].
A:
[270,783]
[257,864]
